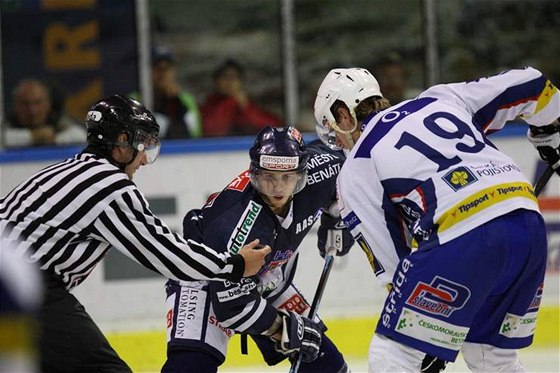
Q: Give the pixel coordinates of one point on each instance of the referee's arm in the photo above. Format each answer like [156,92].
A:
[128,225]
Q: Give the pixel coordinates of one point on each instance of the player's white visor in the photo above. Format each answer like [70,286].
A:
[278,183]
[327,135]
[147,143]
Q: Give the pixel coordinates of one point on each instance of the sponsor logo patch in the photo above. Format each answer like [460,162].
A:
[306,223]
[295,303]
[212,320]
[391,306]
[459,178]
[440,297]
[280,257]
[244,288]
[240,182]
[431,330]
[319,175]
[351,220]
[190,313]
[278,163]
[515,326]
[241,231]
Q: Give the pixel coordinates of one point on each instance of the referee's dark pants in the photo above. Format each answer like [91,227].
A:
[69,340]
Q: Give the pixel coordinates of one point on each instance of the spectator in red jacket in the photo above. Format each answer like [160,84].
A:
[228,111]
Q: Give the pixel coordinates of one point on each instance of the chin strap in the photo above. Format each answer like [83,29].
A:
[124,144]
[346,133]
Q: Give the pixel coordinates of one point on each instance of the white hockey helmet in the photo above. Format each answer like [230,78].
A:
[351,86]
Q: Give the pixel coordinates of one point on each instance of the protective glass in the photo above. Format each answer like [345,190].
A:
[278,183]
[147,143]
[327,135]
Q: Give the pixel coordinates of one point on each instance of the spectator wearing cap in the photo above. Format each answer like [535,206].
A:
[33,121]
[228,110]
[175,109]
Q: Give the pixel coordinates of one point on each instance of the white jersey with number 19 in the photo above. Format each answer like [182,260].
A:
[423,172]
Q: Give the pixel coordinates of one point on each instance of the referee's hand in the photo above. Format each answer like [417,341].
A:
[254,256]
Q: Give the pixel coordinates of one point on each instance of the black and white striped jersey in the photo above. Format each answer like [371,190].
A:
[66,217]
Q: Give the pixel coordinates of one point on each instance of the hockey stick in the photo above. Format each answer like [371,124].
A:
[543,180]
[335,238]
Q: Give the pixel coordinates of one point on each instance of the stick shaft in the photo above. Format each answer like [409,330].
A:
[543,180]
[329,260]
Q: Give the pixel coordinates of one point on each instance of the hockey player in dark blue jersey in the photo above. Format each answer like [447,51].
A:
[287,188]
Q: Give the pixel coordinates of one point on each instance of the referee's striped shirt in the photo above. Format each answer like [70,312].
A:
[66,217]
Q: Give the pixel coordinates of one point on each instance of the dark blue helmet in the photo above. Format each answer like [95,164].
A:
[279,149]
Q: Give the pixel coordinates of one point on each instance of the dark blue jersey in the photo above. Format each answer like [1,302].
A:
[238,215]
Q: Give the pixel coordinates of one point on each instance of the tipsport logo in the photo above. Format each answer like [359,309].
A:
[459,178]
[440,297]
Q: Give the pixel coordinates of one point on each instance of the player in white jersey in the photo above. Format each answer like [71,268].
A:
[423,174]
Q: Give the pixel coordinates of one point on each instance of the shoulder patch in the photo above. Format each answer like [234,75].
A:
[240,182]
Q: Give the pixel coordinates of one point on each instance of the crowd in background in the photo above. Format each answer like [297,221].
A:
[37,116]
[200,91]
[34,119]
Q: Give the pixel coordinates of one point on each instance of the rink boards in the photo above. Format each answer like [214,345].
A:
[129,303]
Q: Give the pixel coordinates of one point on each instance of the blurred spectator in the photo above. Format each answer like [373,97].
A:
[228,110]
[393,78]
[175,109]
[34,122]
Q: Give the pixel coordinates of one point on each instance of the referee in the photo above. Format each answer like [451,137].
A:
[68,215]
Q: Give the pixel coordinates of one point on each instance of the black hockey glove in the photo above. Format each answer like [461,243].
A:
[546,140]
[333,235]
[432,364]
[299,334]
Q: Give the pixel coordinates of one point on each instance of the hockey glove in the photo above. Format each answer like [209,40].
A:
[432,364]
[299,334]
[546,140]
[333,236]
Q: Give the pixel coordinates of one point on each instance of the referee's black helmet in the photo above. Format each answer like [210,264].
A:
[118,114]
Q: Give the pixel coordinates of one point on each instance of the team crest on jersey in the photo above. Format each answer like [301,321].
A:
[240,182]
[459,178]
[241,231]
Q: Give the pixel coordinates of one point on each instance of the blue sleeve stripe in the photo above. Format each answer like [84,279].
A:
[511,97]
